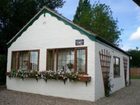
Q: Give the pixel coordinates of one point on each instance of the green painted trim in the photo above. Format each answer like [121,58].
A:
[59,17]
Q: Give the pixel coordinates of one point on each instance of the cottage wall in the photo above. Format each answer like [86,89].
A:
[116,82]
[50,32]
[45,33]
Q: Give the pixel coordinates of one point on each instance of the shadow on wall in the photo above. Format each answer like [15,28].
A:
[3,62]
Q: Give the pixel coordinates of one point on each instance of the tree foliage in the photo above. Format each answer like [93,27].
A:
[98,19]
[2,69]
[83,13]
[135,53]
[14,14]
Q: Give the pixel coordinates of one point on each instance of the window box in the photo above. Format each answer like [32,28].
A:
[84,78]
[46,75]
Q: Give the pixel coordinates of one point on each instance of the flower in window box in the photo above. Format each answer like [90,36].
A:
[62,75]
[60,72]
[34,74]
[50,75]
[11,74]
[72,76]
[21,74]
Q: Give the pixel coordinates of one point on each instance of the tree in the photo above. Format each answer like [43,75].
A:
[98,19]
[83,13]
[135,53]
[2,69]
[52,4]
[14,14]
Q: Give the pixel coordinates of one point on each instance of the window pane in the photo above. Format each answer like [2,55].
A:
[116,66]
[66,59]
[14,62]
[24,60]
[34,60]
[81,58]
[50,60]
[117,61]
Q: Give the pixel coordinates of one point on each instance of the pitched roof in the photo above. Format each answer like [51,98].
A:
[90,35]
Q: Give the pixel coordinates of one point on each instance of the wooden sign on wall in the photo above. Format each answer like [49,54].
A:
[79,42]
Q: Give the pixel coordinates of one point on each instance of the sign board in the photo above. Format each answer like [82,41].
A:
[79,42]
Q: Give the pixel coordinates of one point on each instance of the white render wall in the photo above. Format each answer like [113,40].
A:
[118,82]
[48,32]
[72,90]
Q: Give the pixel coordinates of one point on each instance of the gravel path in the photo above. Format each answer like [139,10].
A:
[126,96]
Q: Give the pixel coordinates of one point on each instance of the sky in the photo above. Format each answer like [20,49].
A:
[125,11]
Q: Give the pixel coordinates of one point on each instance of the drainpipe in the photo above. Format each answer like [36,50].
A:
[130,58]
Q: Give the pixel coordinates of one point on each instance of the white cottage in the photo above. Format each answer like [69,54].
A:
[51,42]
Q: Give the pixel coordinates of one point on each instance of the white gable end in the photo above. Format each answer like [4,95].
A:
[48,30]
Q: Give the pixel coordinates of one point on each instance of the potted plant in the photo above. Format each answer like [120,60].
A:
[70,66]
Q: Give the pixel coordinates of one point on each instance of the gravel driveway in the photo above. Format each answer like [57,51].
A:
[126,96]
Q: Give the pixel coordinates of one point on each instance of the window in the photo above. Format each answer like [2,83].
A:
[66,59]
[33,63]
[69,59]
[14,62]
[25,60]
[116,66]
[50,59]
[81,60]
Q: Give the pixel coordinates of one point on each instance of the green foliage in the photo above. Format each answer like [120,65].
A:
[2,69]
[12,74]
[107,85]
[73,76]
[24,74]
[14,14]
[52,4]
[49,75]
[98,19]
[135,53]
[83,14]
